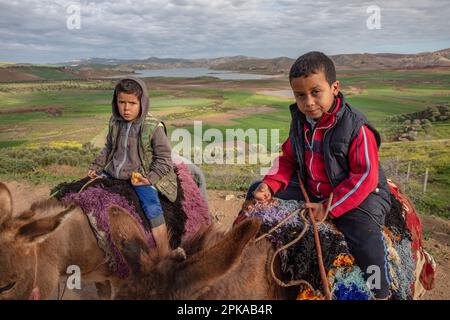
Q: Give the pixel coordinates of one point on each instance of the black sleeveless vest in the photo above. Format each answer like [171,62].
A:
[337,140]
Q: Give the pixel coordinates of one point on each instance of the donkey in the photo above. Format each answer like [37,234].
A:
[219,264]
[38,245]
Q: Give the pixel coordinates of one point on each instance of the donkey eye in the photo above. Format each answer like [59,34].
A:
[7,287]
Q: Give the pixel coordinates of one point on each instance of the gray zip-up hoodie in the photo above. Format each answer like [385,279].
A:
[126,159]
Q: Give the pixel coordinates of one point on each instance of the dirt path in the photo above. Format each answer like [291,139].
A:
[436,232]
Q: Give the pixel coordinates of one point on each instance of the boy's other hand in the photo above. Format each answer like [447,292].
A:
[138,179]
[318,209]
[262,193]
[92,174]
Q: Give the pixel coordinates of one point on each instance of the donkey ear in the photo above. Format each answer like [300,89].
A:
[39,230]
[6,204]
[209,265]
[129,237]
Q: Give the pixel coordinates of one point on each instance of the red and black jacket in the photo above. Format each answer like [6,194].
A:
[340,156]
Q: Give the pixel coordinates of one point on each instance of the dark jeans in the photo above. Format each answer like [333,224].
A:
[362,234]
[148,197]
[366,243]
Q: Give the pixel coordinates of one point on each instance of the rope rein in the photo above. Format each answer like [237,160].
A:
[82,188]
[35,291]
[301,213]
[325,283]
[60,297]
[278,225]
[89,182]
[35,266]
[272,263]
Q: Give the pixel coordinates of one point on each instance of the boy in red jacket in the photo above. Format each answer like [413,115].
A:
[334,149]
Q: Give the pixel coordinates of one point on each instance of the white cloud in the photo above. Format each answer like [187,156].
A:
[35,30]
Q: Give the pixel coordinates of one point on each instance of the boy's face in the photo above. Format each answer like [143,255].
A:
[313,94]
[129,106]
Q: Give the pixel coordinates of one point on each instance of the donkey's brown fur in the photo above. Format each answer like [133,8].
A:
[220,265]
[46,239]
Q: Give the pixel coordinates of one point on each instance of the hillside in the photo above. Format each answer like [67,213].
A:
[100,67]
[277,65]
[28,72]
[367,61]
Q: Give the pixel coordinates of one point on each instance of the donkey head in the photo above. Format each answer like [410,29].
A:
[19,238]
[159,275]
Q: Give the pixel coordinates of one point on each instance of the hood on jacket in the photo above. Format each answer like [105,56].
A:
[145,101]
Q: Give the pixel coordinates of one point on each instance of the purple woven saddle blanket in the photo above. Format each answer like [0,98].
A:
[183,217]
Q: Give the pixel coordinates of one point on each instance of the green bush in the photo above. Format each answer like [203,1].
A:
[21,160]
[13,166]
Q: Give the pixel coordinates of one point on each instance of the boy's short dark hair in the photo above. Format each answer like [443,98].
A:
[313,62]
[129,86]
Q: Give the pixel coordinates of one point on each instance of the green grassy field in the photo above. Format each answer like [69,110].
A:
[382,94]
[85,106]
[433,155]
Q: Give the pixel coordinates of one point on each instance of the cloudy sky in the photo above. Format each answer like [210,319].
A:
[42,31]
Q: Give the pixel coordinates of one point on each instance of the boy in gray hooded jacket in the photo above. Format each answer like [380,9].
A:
[137,149]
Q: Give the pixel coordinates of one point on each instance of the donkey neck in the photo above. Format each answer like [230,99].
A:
[73,243]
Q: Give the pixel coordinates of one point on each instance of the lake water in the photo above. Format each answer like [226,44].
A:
[196,72]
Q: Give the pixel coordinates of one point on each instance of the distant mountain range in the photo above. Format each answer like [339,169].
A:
[101,67]
[439,58]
